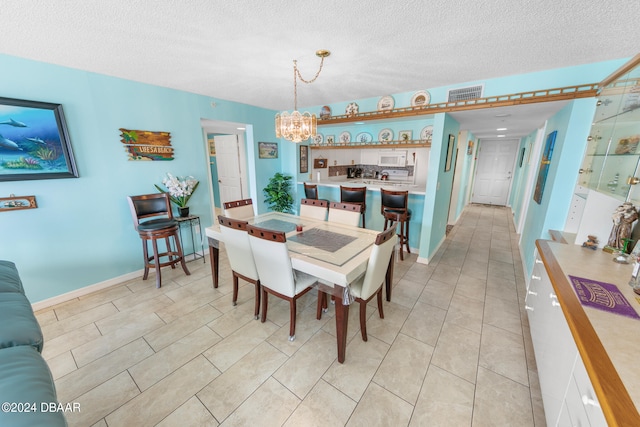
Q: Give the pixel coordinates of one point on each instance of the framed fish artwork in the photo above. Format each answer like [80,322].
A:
[34,141]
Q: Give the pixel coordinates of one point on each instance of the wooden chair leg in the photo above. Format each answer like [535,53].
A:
[265,301]
[156,260]
[167,243]
[380,311]
[406,236]
[256,310]
[363,319]
[322,300]
[145,252]
[235,289]
[292,319]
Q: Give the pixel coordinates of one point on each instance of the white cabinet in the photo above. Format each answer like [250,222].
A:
[557,358]
[368,156]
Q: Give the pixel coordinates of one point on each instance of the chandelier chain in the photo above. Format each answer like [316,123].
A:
[297,75]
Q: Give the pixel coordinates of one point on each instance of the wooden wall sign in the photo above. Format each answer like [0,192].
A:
[147,145]
[15,203]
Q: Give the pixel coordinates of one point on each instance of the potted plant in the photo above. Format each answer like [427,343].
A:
[180,191]
[278,193]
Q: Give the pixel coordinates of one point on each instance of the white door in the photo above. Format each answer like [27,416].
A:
[228,165]
[494,171]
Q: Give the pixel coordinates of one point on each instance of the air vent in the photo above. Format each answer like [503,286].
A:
[465,93]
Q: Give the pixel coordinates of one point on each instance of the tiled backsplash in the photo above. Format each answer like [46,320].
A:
[368,171]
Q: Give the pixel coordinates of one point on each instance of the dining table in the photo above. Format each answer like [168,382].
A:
[336,254]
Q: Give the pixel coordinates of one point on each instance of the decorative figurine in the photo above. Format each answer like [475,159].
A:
[623,219]
[591,243]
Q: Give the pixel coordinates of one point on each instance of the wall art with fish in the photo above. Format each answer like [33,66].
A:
[34,141]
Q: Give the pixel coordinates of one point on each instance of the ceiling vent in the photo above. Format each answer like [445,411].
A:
[464,93]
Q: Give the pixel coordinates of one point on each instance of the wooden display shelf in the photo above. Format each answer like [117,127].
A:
[546,95]
[392,144]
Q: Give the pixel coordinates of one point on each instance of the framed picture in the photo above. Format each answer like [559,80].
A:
[212,146]
[522,156]
[320,163]
[405,135]
[267,150]
[304,158]
[450,145]
[34,141]
[545,163]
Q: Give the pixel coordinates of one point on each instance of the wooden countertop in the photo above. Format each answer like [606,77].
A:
[609,344]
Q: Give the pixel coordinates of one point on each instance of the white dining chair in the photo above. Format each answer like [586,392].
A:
[345,213]
[277,277]
[239,209]
[236,243]
[370,284]
[313,208]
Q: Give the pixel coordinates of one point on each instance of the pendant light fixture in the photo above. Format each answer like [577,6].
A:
[297,127]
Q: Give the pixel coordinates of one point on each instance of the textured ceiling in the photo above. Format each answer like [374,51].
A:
[243,50]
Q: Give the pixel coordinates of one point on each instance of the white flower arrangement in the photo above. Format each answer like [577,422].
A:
[179,189]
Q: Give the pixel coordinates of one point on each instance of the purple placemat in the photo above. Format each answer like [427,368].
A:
[603,296]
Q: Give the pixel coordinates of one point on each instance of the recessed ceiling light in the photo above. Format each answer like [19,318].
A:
[501,136]
[499,129]
[240,128]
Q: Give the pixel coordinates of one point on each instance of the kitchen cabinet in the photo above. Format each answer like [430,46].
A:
[612,158]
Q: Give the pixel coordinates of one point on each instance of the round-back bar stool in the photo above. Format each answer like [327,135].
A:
[394,207]
[153,220]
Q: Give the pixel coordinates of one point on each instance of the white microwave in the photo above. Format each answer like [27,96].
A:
[397,158]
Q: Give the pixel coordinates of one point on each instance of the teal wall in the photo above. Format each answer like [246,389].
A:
[572,124]
[82,233]
[439,184]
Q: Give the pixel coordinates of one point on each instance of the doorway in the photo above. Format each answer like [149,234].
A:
[494,172]
[227,149]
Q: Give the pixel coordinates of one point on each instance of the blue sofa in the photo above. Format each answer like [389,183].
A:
[27,390]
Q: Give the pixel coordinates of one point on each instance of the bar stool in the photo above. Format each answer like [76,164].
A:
[394,207]
[162,226]
[310,191]
[357,195]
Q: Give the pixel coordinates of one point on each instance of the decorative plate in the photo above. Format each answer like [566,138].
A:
[426,133]
[331,139]
[385,135]
[420,99]
[318,139]
[386,103]
[345,137]
[352,109]
[363,138]
[325,112]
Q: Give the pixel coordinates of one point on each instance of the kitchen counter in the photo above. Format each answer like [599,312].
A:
[372,184]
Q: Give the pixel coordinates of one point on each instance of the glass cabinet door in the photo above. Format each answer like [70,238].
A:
[611,162]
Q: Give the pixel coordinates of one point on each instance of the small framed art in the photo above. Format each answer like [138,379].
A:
[304,158]
[267,150]
[449,159]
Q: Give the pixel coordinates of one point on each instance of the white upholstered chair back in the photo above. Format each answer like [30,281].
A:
[345,213]
[378,262]
[239,209]
[313,208]
[272,260]
[236,243]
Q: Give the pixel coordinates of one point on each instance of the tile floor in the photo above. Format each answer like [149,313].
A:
[453,350]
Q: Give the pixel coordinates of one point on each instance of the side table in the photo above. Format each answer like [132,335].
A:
[193,223]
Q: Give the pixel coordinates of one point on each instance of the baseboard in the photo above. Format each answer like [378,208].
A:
[59,299]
